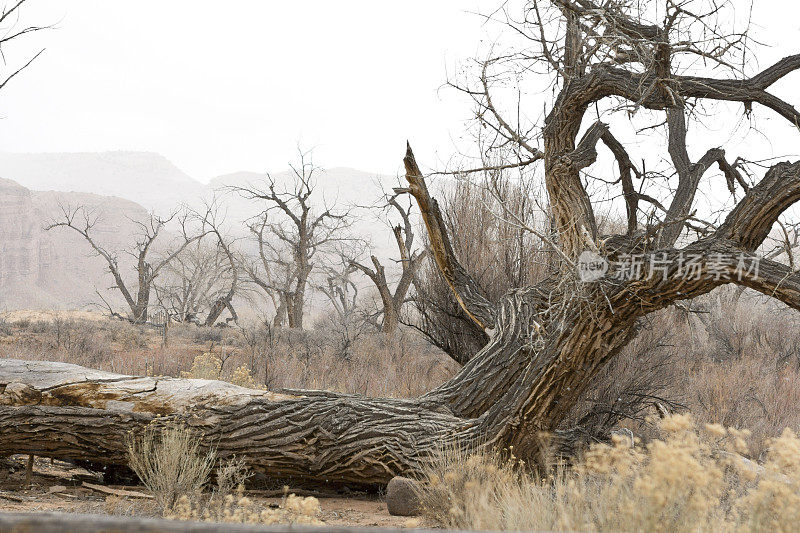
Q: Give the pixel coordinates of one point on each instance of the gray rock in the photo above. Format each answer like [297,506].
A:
[401,497]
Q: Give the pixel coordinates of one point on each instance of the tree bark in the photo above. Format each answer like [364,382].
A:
[67,411]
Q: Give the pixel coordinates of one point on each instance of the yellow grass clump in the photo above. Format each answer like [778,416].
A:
[240,509]
[689,479]
[204,366]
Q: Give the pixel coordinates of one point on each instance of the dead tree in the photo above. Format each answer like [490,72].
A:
[410,261]
[204,278]
[546,341]
[224,300]
[338,286]
[191,281]
[83,221]
[288,246]
[9,31]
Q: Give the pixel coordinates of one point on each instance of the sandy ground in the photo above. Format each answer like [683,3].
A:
[34,315]
[58,487]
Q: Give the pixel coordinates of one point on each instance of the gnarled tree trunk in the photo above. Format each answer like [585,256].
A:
[546,342]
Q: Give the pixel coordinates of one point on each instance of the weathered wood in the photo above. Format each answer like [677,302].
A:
[118,492]
[70,412]
[86,523]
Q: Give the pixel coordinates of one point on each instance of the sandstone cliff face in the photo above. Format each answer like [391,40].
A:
[20,236]
[57,269]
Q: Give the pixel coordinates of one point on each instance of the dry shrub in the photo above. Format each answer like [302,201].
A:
[687,480]
[244,378]
[204,366]
[240,509]
[170,463]
[231,474]
[499,256]
[255,357]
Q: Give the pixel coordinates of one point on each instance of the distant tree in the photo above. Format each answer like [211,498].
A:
[290,233]
[338,286]
[224,299]
[349,321]
[410,262]
[191,280]
[204,278]
[84,221]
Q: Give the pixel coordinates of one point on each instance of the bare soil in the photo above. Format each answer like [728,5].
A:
[57,486]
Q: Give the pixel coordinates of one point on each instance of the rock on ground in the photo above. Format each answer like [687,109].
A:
[401,497]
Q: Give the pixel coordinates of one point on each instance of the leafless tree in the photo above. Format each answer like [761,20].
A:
[410,261]
[339,288]
[84,221]
[192,280]
[203,279]
[212,223]
[290,233]
[10,31]
[546,341]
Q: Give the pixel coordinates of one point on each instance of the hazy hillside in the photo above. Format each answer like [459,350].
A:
[56,269]
[143,177]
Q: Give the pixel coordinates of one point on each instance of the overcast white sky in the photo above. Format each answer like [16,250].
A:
[224,86]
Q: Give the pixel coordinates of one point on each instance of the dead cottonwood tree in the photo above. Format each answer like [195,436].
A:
[546,341]
[410,262]
[289,233]
[193,280]
[212,223]
[83,221]
[204,278]
[339,288]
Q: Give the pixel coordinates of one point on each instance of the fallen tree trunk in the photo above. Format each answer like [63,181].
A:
[70,412]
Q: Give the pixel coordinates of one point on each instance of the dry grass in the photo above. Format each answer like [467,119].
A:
[686,480]
[231,475]
[170,464]
[238,508]
[253,356]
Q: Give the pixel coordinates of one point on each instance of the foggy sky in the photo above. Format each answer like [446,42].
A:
[224,86]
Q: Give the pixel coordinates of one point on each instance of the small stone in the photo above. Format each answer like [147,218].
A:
[402,498]
[56,488]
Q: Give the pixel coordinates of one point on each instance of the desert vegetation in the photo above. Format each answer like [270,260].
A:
[564,335]
[685,479]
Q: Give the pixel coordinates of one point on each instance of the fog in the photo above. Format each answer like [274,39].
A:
[220,87]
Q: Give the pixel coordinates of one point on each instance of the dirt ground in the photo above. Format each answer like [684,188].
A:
[58,486]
